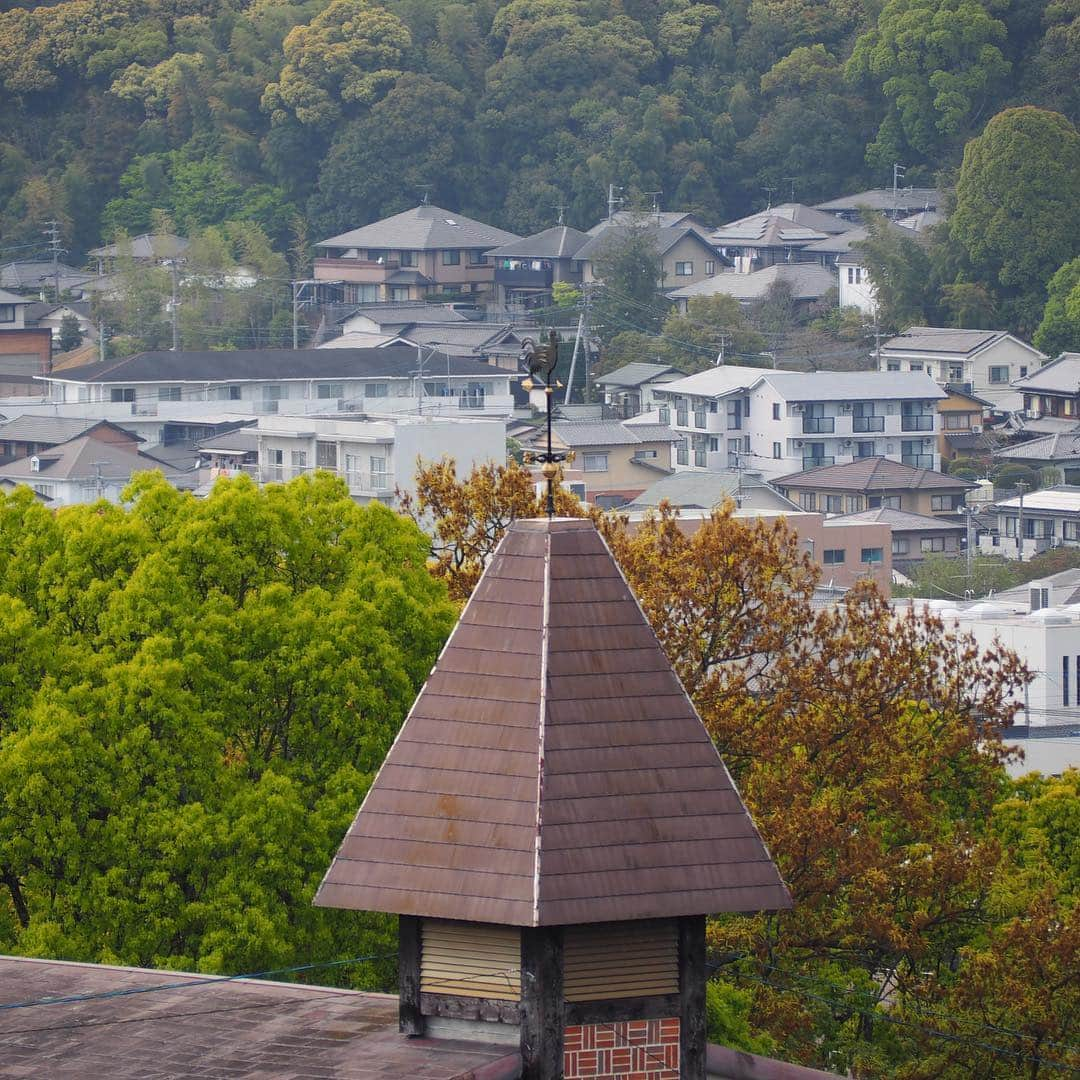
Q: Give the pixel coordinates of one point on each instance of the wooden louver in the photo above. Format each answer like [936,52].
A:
[620,960]
[470,960]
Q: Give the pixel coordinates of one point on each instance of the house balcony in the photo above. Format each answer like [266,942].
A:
[817,462]
[818,425]
[356,271]
[861,425]
[371,484]
[523,279]
[918,461]
[921,422]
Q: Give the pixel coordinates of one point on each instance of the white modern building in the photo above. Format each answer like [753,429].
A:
[1034,522]
[984,362]
[375,456]
[782,422]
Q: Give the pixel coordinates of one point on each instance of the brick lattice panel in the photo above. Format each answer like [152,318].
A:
[623,1050]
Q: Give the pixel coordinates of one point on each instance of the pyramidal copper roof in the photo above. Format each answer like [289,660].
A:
[553,769]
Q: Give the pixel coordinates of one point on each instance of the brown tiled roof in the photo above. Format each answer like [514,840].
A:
[553,770]
[207,1027]
[871,474]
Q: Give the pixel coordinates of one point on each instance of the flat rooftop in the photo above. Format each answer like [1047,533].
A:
[208,1027]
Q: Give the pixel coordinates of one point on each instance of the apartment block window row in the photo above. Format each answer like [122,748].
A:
[932,543]
[833,556]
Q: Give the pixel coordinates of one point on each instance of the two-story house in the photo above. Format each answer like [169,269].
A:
[983,362]
[526,269]
[778,422]
[962,423]
[685,255]
[630,390]
[777,234]
[1051,395]
[1034,521]
[31,433]
[414,254]
[25,350]
[873,484]
[806,284]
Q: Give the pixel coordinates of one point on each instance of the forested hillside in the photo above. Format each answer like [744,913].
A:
[338,112]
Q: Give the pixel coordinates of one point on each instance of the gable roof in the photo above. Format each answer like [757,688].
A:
[946,340]
[1061,375]
[810,385]
[638,373]
[145,246]
[33,273]
[610,433]
[1061,446]
[873,474]
[663,238]
[10,298]
[665,219]
[264,365]
[552,770]
[840,243]
[84,458]
[900,521]
[423,228]
[705,490]
[558,242]
[55,429]
[885,199]
[808,281]
[790,224]
[402,314]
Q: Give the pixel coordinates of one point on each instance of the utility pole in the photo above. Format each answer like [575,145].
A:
[586,396]
[573,359]
[561,210]
[1022,487]
[613,200]
[791,180]
[175,302]
[101,339]
[97,467]
[898,171]
[768,196]
[298,301]
[52,232]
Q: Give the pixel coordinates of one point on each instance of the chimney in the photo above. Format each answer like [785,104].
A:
[552,826]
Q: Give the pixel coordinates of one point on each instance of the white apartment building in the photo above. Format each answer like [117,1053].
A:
[395,379]
[984,362]
[1034,522]
[783,422]
[375,456]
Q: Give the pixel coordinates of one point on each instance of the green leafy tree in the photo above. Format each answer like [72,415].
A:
[900,270]
[628,267]
[1059,330]
[1017,217]
[70,334]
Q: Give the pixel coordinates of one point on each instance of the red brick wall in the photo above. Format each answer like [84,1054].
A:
[626,1050]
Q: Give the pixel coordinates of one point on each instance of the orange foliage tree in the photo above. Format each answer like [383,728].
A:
[866,744]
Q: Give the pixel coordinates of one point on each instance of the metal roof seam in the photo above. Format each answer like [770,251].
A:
[545,630]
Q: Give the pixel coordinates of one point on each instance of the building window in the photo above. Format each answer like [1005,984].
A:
[834,504]
[224,393]
[999,374]
[399,292]
[854,504]
[451,258]
[326,455]
[408,258]
[122,393]
[734,415]
[943,502]
[915,365]
[1065,681]
[777,451]
[746,408]
[275,457]
[168,393]
[710,267]
[808,500]
[776,410]
[956,372]
[932,543]
[957,421]
[330,391]
[833,556]
[378,471]
[864,449]
[7,313]
[885,502]
[900,546]
[377,389]
[682,452]
[854,275]
[1023,371]
[595,462]
[684,269]
[48,490]
[298,459]
[871,555]
[892,365]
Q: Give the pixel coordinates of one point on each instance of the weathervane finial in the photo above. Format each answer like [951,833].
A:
[541,361]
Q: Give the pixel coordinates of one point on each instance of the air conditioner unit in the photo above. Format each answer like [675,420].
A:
[798,443]
[798,406]
[847,442]
[976,429]
[928,442]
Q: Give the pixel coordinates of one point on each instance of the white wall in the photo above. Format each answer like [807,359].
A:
[858,294]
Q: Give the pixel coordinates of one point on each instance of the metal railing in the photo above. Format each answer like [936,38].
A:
[918,461]
[359,482]
[818,425]
[862,424]
[817,462]
[918,422]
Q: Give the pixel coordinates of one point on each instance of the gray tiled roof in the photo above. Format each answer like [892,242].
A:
[83,458]
[666,219]
[558,242]
[33,273]
[10,298]
[423,228]
[637,373]
[939,339]
[811,385]
[397,314]
[239,365]
[900,520]
[808,281]
[692,490]
[51,429]
[241,440]
[1063,446]
[1061,375]
[664,238]
[145,246]
[883,199]
[610,433]
[787,224]
[872,474]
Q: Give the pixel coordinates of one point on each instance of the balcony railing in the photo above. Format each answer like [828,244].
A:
[359,483]
[523,279]
[818,425]
[700,458]
[862,424]
[682,456]
[701,418]
[919,461]
[817,462]
[920,422]
[681,417]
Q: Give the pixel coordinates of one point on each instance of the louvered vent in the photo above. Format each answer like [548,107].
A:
[620,960]
[470,960]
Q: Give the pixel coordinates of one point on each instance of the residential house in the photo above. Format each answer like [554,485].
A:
[914,536]
[983,362]
[146,247]
[1060,451]
[617,460]
[46,313]
[1051,395]
[25,350]
[894,203]
[414,254]
[876,484]
[387,320]
[776,234]
[260,381]
[38,277]
[807,285]
[86,469]
[962,425]
[662,219]
[375,456]
[778,422]
[228,454]
[29,434]
[685,255]
[1034,521]
[628,390]
[526,269]
[690,490]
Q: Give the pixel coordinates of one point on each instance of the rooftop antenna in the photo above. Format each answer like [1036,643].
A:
[790,180]
[425,194]
[614,200]
[898,171]
[541,361]
[655,203]
[768,195]
[561,209]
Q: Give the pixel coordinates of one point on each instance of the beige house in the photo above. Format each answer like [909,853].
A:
[412,255]
[875,483]
[615,461]
[685,255]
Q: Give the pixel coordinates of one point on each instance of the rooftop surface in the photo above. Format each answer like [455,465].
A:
[810,386]
[664,237]
[209,1028]
[705,490]
[1061,375]
[885,199]
[609,433]
[423,228]
[1064,498]
[872,474]
[1062,446]
[637,373]
[899,520]
[808,281]
[84,458]
[946,340]
[558,242]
